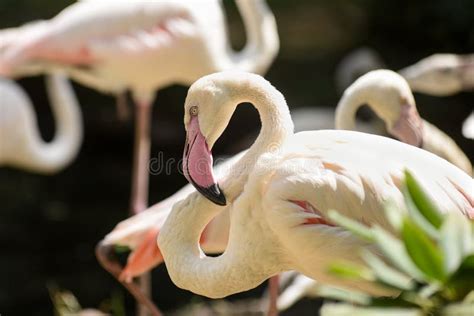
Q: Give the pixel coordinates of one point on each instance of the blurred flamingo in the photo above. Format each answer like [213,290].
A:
[389,95]
[281,190]
[441,74]
[21,144]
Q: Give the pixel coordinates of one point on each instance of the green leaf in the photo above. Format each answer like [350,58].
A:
[394,250]
[424,253]
[394,215]
[455,240]
[387,274]
[331,309]
[351,271]
[468,262]
[342,295]
[460,284]
[356,228]
[469,298]
[121,249]
[429,290]
[460,309]
[422,201]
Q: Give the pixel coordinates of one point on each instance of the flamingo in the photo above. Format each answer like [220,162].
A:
[389,95]
[21,144]
[143,46]
[441,74]
[280,192]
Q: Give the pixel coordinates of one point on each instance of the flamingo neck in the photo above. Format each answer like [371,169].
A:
[382,90]
[262,38]
[347,107]
[276,127]
[437,142]
[238,269]
[58,153]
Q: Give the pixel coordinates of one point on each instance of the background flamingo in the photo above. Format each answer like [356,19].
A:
[143,46]
[21,143]
[389,95]
[281,190]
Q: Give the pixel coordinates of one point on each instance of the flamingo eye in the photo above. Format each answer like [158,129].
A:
[193,111]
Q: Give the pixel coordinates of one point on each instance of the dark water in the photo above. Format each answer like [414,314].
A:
[49,225]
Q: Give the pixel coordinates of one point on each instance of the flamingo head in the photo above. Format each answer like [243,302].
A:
[392,100]
[438,74]
[208,110]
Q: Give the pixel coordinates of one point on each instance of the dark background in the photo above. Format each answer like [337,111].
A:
[49,225]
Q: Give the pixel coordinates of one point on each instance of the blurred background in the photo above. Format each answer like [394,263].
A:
[49,226]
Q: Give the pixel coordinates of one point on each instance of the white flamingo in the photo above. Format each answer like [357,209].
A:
[21,144]
[143,46]
[389,95]
[281,190]
[441,74]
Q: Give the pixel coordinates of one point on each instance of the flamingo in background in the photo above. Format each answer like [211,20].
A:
[281,190]
[441,74]
[21,144]
[356,64]
[143,46]
[438,75]
[389,95]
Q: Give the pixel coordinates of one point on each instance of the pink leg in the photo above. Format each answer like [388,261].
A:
[121,105]
[104,255]
[138,203]
[140,179]
[141,158]
[273,287]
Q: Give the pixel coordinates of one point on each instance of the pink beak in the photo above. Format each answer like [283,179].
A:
[197,164]
[409,127]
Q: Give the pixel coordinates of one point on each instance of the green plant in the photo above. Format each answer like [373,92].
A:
[66,304]
[429,261]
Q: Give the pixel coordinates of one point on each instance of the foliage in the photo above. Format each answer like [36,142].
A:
[66,304]
[429,261]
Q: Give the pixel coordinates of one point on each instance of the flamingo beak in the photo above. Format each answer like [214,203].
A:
[197,164]
[409,127]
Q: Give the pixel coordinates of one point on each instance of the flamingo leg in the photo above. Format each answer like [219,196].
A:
[273,287]
[141,158]
[104,254]
[140,178]
[121,106]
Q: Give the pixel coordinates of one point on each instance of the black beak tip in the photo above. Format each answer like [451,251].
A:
[214,194]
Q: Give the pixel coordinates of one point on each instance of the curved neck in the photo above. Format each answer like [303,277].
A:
[347,107]
[262,38]
[55,155]
[240,265]
[276,127]
[437,142]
